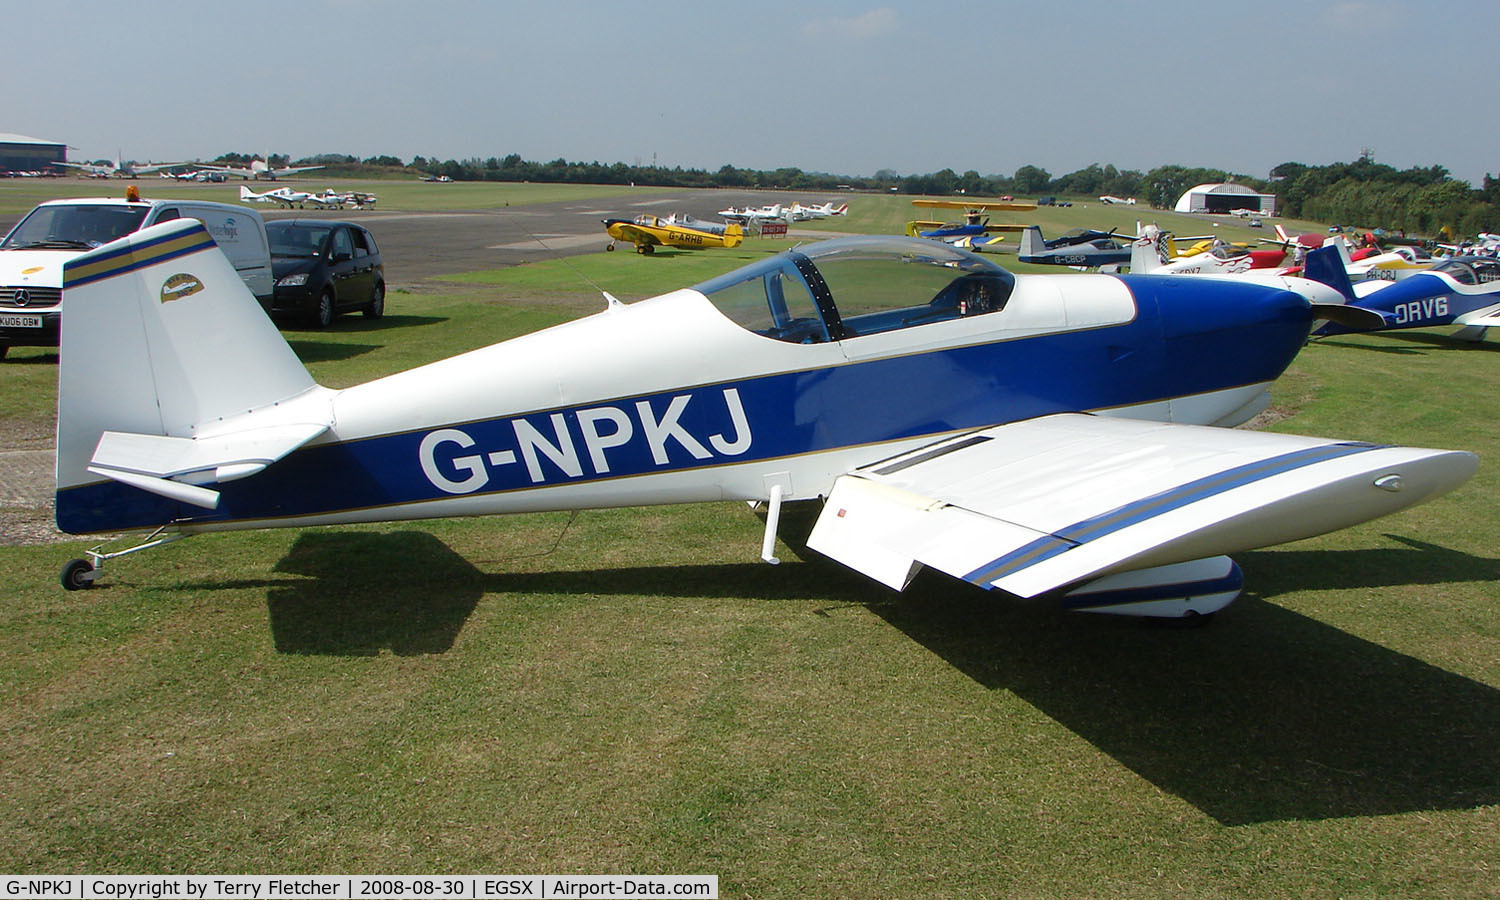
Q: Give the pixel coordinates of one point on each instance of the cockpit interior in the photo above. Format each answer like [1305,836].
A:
[850,287]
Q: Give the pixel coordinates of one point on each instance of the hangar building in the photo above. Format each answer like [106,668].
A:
[19,153]
[1223,198]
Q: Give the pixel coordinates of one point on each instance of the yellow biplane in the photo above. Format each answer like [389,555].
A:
[975,223]
[649,232]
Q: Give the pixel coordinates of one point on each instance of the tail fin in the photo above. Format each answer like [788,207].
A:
[1325,265]
[1145,255]
[1031,244]
[246,194]
[171,376]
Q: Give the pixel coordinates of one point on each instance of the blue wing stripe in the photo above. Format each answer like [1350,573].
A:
[1157,504]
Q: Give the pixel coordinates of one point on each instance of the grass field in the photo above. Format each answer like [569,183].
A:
[633,691]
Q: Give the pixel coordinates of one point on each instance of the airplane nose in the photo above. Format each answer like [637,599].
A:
[1243,331]
[1193,305]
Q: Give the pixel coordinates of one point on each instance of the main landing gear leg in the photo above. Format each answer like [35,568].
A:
[80,574]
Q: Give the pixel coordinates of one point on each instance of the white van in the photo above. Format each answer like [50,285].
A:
[33,253]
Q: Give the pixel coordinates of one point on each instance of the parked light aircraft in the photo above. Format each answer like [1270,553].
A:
[1109,199]
[1464,291]
[259,169]
[332,199]
[975,226]
[820,212]
[774,212]
[1028,433]
[1079,247]
[287,197]
[688,220]
[118,169]
[1219,258]
[648,232]
[194,175]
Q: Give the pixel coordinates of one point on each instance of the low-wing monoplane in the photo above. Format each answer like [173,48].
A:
[648,232]
[1036,434]
[193,175]
[773,212]
[1079,247]
[1463,291]
[286,197]
[821,211]
[1216,258]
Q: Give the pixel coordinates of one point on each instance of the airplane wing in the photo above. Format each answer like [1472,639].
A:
[636,234]
[1487,317]
[1036,505]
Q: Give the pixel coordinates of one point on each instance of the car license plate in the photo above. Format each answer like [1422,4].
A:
[20,321]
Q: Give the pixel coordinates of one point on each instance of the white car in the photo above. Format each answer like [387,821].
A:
[32,255]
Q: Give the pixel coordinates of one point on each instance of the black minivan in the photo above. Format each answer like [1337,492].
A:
[323,268]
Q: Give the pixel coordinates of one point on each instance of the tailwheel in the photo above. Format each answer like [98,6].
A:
[77,575]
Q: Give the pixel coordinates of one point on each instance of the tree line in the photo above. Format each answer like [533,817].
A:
[1365,193]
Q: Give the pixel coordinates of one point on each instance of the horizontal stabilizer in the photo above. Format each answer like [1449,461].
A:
[221,458]
[1050,502]
[172,490]
[1355,318]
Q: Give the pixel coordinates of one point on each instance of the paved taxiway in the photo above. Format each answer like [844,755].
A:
[417,246]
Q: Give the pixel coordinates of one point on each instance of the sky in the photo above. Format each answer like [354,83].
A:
[847,87]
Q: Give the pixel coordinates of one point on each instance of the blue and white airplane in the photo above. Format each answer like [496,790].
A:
[1030,433]
[1463,290]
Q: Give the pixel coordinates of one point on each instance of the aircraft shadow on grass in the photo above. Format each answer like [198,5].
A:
[319,351]
[404,591]
[1268,715]
[354,322]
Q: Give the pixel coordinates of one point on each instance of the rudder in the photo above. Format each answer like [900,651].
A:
[160,338]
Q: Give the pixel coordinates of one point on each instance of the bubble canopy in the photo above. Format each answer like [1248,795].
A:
[850,287]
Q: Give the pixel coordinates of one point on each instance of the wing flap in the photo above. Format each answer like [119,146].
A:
[889,533]
[1036,505]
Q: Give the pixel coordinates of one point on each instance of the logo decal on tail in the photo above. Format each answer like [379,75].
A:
[179,286]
